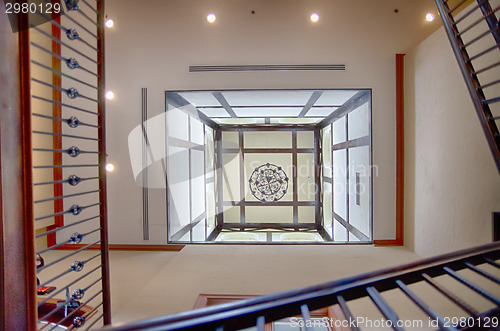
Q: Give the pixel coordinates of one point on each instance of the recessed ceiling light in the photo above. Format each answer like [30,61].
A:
[109,23]
[110,167]
[110,95]
[314,17]
[429,17]
[211,18]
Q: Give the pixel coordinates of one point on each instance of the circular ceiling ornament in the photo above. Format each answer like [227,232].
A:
[268,183]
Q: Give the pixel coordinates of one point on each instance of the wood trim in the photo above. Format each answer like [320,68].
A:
[56,128]
[399,241]
[18,282]
[27,176]
[101,108]
[126,247]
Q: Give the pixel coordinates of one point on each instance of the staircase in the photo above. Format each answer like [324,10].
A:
[467,280]
[474,34]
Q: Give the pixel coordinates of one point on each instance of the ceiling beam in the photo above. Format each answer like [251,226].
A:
[353,103]
[224,103]
[312,100]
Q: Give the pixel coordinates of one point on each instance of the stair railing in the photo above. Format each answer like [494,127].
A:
[471,267]
[475,30]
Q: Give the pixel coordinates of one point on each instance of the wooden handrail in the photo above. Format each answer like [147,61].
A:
[482,108]
[242,314]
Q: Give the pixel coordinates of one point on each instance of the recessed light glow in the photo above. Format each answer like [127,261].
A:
[314,17]
[109,23]
[110,95]
[429,17]
[211,18]
[110,167]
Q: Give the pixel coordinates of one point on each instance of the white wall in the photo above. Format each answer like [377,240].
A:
[153,43]
[451,182]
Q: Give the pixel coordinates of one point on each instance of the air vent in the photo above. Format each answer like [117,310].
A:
[268,67]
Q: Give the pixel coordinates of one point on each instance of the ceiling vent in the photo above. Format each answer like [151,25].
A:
[268,67]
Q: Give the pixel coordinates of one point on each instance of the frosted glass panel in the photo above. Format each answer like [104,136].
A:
[231,214]
[210,205]
[269,214]
[236,121]
[178,189]
[199,231]
[291,120]
[359,122]
[339,131]
[359,189]
[305,177]
[335,97]
[197,132]
[268,139]
[267,98]
[231,177]
[215,112]
[321,111]
[339,183]
[177,124]
[197,183]
[209,152]
[327,151]
[339,232]
[306,214]
[267,112]
[230,139]
[327,207]
[305,139]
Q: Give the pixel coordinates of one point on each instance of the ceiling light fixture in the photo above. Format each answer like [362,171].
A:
[314,17]
[110,95]
[109,23]
[211,18]
[110,167]
[429,17]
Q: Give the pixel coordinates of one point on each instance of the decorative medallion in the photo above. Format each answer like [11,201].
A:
[268,183]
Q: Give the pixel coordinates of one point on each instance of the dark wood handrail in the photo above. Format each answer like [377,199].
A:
[242,314]
[474,87]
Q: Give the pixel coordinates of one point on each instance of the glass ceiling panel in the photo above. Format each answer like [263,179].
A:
[335,97]
[268,111]
[267,98]
[291,120]
[200,98]
[215,112]
[321,111]
[237,121]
